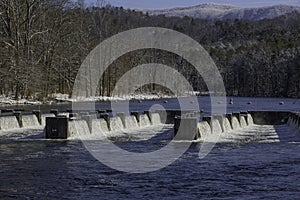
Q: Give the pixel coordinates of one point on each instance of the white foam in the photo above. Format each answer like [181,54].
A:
[78,129]
[30,121]
[204,130]
[145,121]
[250,119]
[131,122]
[226,125]
[216,127]
[9,122]
[235,123]
[103,125]
[243,122]
[116,124]
[156,119]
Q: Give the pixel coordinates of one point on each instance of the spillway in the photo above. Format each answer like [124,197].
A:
[131,122]
[235,123]
[156,119]
[216,127]
[243,122]
[116,124]
[226,125]
[9,122]
[97,128]
[204,130]
[145,121]
[30,121]
[103,125]
[78,128]
[250,119]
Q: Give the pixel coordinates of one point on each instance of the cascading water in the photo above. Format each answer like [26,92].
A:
[204,130]
[235,123]
[156,119]
[103,125]
[226,125]
[131,122]
[250,119]
[145,121]
[216,127]
[97,129]
[8,123]
[116,124]
[243,122]
[78,128]
[30,121]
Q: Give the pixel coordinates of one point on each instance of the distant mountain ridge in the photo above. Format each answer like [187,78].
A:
[223,12]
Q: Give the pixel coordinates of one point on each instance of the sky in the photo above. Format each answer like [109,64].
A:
[160,4]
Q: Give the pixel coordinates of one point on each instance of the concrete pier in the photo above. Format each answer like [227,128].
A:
[122,117]
[38,115]
[57,128]
[137,116]
[18,115]
[185,128]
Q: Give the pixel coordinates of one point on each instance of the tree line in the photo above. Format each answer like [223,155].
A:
[44,42]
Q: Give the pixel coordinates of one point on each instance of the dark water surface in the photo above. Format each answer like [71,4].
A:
[243,168]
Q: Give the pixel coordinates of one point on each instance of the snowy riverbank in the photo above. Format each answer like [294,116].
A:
[55,98]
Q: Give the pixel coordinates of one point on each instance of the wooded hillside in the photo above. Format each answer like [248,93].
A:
[43,43]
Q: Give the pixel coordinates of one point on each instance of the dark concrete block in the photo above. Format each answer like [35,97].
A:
[270,117]
[54,111]
[185,128]
[106,117]
[19,118]
[57,128]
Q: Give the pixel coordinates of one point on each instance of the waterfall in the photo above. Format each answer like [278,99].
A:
[250,119]
[243,122]
[97,128]
[116,124]
[103,125]
[156,119]
[9,122]
[131,122]
[30,121]
[145,121]
[235,123]
[204,130]
[226,125]
[78,128]
[44,116]
[216,127]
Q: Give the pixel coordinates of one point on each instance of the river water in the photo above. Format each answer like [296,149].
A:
[260,162]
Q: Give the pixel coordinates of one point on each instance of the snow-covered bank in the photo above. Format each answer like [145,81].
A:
[64,97]
[55,98]
[10,101]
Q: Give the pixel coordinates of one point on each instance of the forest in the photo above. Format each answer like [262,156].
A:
[44,42]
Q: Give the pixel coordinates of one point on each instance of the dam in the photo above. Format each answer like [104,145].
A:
[264,156]
[194,125]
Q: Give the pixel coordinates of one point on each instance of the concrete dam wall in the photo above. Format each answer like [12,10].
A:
[211,126]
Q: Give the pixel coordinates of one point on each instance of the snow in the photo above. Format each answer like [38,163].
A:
[10,101]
